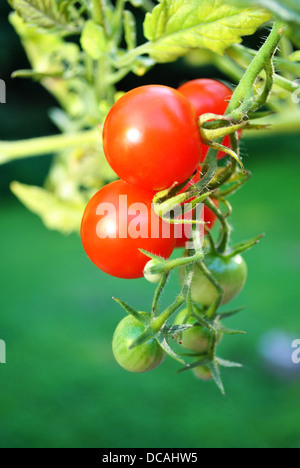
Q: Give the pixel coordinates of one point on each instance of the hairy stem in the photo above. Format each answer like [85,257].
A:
[11,151]
[245,87]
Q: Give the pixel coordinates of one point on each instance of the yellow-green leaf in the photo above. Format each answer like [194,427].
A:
[176,26]
[55,213]
[93,40]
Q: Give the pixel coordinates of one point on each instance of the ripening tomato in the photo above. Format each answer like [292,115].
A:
[151,138]
[118,221]
[183,231]
[231,273]
[208,97]
[142,358]
[203,373]
[197,338]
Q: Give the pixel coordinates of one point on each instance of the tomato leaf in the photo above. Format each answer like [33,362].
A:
[287,10]
[48,14]
[56,214]
[176,26]
[93,40]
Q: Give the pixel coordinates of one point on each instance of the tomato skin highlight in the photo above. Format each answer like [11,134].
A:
[151,137]
[142,358]
[208,97]
[117,256]
[231,273]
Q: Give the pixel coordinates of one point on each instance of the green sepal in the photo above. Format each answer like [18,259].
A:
[143,338]
[225,315]
[175,329]
[228,364]
[163,342]
[215,370]
[204,361]
[228,331]
[150,255]
[244,246]
[130,311]
[234,184]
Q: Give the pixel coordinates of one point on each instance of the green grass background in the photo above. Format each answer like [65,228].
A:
[61,386]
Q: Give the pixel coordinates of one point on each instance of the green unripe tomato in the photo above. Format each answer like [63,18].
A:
[231,273]
[143,358]
[152,278]
[203,373]
[198,338]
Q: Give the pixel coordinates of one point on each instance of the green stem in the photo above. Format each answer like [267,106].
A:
[211,241]
[245,87]
[179,262]
[211,312]
[223,176]
[11,151]
[118,20]
[263,98]
[158,292]
[130,56]
[285,51]
[244,56]
[226,229]
[286,84]
[227,66]
[162,319]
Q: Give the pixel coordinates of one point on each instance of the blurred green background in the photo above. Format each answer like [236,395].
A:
[61,386]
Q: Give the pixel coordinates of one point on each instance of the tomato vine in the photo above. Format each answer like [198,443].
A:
[80,51]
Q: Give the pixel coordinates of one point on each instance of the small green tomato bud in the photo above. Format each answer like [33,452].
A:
[203,373]
[149,276]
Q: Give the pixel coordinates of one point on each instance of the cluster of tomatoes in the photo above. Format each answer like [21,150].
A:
[152,141]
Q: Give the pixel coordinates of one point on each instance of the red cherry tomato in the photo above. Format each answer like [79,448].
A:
[151,138]
[208,96]
[118,221]
[183,231]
